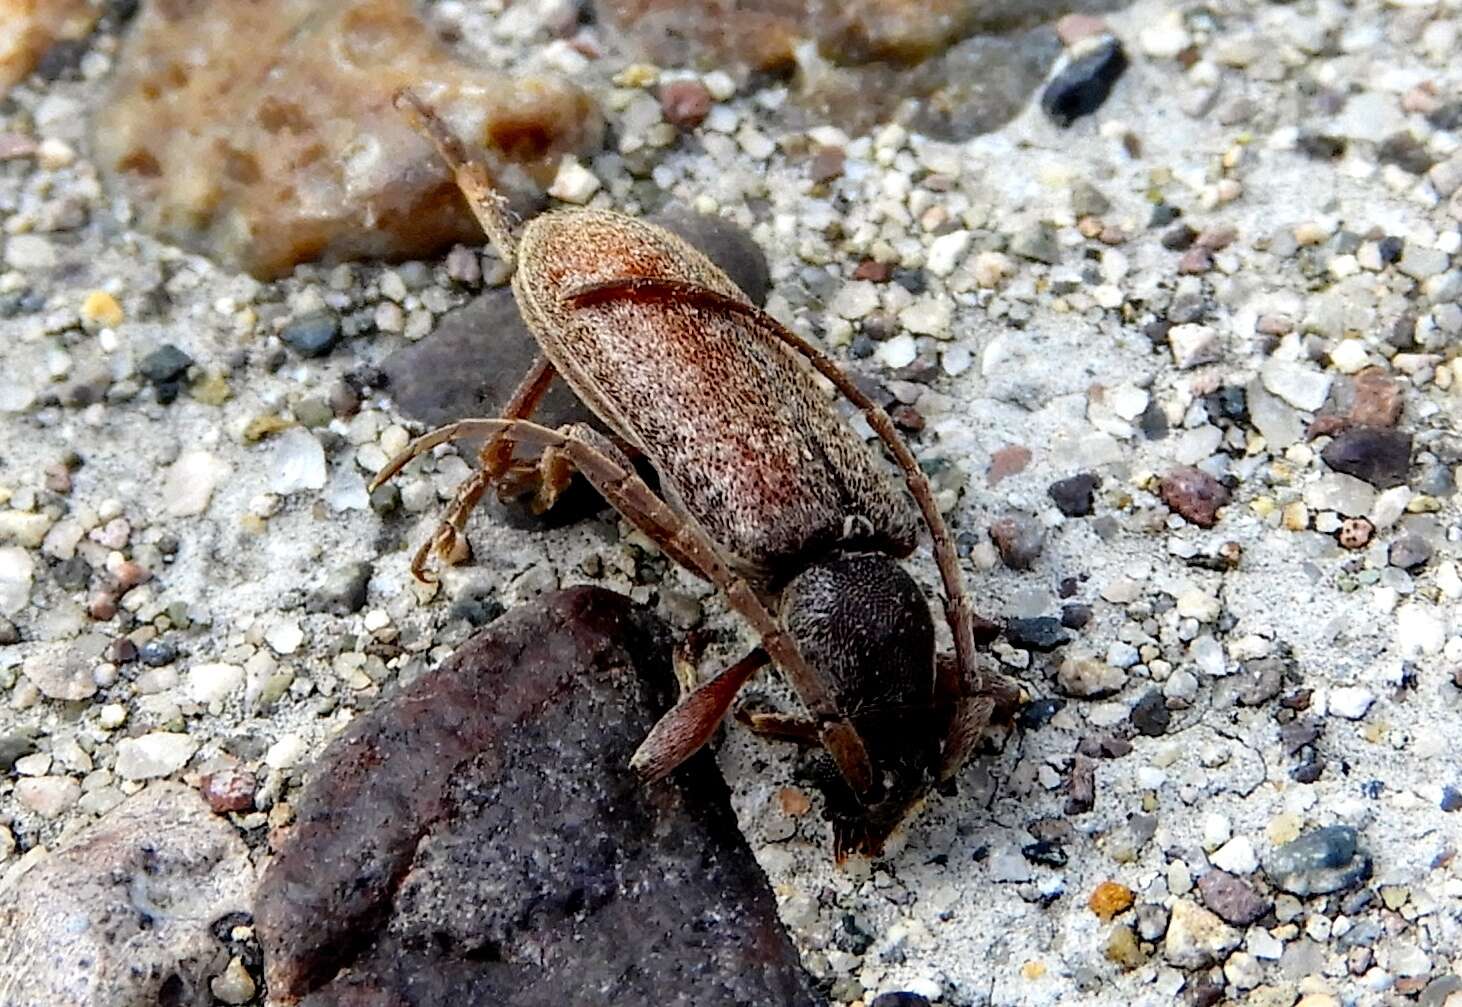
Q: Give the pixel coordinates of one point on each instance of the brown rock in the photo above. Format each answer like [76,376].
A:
[1195,261]
[1378,399]
[1081,786]
[1194,494]
[685,103]
[30,27]
[263,134]
[1008,461]
[827,164]
[480,838]
[873,271]
[229,789]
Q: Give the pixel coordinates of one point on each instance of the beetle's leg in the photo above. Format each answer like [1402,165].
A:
[684,541]
[449,541]
[780,726]
[689,724]
[995,698]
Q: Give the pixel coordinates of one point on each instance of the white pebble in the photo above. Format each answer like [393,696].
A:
[213,682]
[1350,356]
[574,183]
[945,252]
[151,755]
[284,637]
[1351,702]
[1193,344]
[1217,830]
[298,463]
[285,752]
[1418,631]
[1301,386]
[1236,856]
[190,481]
[897,352]
[17,570]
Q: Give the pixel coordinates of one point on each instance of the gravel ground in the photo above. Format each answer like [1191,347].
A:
[1236,686]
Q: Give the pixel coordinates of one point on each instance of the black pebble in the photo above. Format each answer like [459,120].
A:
[165,365]
[156,653]
[1038,713]
[1043,633]
[1075,616]
[1083,86]
[1074,497]
[900,1000]
[1151,715]
[1044,852]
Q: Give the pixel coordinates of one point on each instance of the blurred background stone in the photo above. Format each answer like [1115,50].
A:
[263,134]
[29,28]
[950,68]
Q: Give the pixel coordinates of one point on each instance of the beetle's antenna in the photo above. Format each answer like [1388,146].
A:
[486,203]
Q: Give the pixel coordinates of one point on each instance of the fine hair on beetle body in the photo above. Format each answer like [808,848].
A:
[765,491]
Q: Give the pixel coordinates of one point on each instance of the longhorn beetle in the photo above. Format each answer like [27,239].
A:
[768,494]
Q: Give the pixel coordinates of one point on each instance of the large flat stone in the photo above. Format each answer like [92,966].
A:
[479,838]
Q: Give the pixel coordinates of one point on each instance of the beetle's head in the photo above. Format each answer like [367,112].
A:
[863,625]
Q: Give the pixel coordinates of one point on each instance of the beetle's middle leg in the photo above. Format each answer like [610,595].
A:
[495,462]
[684,541]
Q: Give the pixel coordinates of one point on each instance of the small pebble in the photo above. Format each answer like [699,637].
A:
[1150,716]
[1084,84]
[685,103]
[312,335]
[1019,540]
[1379,456]
[1075,496]
[1194,494]
[1232,899]
[1319,862]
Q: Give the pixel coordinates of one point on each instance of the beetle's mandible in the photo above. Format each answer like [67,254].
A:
[767,493]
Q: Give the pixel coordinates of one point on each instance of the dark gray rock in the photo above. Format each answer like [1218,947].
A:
[312,335]
[479,839]
[1150,715]
[1074,497]
[1410,552]
[165,364]
[343,591]
[1319,862]
[1041,633]
[1378,455]
[16,744]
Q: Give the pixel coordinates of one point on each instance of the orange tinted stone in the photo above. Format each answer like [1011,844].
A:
[1109,899]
